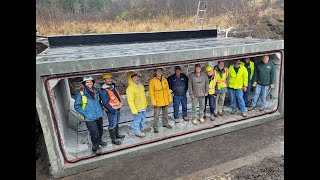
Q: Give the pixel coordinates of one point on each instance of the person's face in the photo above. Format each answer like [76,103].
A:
[247,60]
[265,59]
[198,69]
[221,65]
[237,63]
[135,79]
[178,71]
[108,81]
[158,72]
[89,84]
[210,73]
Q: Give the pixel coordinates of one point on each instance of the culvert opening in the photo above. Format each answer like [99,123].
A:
[74,138]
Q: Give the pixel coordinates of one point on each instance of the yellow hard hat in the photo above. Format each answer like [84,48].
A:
[108,75]
[209,68]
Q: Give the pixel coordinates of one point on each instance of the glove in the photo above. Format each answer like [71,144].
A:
[244,88]
[254,84]
[271,86]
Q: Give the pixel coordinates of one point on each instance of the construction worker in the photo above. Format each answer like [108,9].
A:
[263,78]
[160,96]
[250,68]
[87,104]
[211,93]
[221,75]
[237,84]
[178,83]
[138,103]
[198,89]
[112,103]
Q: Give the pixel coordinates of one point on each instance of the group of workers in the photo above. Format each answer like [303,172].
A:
[209,86]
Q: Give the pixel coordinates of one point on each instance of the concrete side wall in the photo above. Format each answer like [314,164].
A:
[47,125]
[281,101]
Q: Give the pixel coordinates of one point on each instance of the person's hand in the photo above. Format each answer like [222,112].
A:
[244,88]
[271,86]
[119,106]
[254,84]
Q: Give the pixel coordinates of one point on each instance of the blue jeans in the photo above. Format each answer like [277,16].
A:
[113,119]
[237,93]
[246,94]
[176,103]
[95,129]
[263,90]
[211,103]
[139,121]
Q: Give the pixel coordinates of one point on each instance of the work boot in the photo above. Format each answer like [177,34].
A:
[97,152]
[155,130]
[261,109]
[120,136]
[168,126]
[244,114]
[249,104]
[186,118]
[195,122]
[102,143]
[233,111]
[176,120]
[141,134]
[201,120]
[251,108]
[113,137]
[212,117]
[221,113]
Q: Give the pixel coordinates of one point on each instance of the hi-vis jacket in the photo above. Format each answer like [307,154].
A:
[136,96]
[159,91]
[238,80]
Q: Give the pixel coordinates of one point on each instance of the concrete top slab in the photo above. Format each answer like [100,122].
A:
[61,60]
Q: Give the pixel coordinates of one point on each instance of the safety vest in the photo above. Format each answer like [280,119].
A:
[251,64]
[221,81]
[84,100]
[212,85]
[114,101]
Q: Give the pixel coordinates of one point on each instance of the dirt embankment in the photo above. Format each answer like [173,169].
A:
[267,27]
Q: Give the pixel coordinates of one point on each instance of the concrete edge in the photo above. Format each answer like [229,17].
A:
[89,64]
[112,158]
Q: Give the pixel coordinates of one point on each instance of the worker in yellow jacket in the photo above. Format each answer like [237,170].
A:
[211,92]
[160,98]
[138,103]
[237,84]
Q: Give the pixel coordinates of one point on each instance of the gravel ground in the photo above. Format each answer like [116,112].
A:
[268,169]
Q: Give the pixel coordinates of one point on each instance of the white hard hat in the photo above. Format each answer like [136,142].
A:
[87,78]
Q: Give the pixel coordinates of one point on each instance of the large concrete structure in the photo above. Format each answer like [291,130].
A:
[75,56]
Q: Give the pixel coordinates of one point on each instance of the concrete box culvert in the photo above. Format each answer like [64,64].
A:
[60,67]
